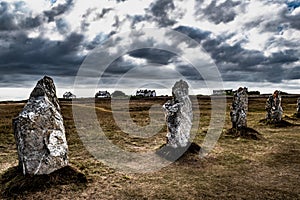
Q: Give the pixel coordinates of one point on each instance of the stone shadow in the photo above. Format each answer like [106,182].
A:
[14,183]
[179,153]
[294,117]
[280,124]
[245,132]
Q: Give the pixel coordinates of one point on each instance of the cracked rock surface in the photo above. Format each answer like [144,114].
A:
[179,116]
[39,132]
[239,109]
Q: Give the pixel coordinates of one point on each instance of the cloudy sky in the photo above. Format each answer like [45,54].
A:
[253,43]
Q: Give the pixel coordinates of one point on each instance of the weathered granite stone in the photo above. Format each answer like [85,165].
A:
[273,107]
[40,133]
[239,109]
[179,116]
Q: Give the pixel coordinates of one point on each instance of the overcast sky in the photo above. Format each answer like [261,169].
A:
[253,43]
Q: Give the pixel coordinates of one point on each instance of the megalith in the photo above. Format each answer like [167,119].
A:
[273,107]
[179,115]
[39,131]
[239,109]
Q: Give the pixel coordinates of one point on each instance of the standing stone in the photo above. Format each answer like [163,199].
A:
[239,109]
[179,116]
[40,133]
[298,108]
[273,107]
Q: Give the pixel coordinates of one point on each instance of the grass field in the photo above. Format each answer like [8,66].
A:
[237,168]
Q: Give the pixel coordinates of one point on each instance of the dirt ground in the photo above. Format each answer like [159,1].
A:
[237,168]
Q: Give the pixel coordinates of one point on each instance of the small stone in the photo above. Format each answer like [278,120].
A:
[179,116]
[40,133]
[273,108]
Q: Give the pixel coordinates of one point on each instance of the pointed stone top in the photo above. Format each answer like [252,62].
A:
[180,89]
[46,87]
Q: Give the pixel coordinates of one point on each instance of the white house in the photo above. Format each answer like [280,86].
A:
[69,95]
[146,93]
[102,94]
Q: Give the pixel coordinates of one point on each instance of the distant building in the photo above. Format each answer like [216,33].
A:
[102,94]
[69,95]
[146,93]
[223,92]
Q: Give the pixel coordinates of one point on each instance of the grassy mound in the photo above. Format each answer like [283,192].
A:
[247,133]
[280,124]
[14,183]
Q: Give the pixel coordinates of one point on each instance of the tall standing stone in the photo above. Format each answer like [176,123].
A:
[273,107]
[179,116]
[239,109]
[40,133]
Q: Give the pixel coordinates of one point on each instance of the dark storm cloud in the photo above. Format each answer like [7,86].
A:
[217,13]
[234,62]
[292,74]
[260,73]
[39,56]
[293,20]
[286,56]
[58,10]
[272,73]
[62,26]
[193,32]
[153,55]
[282,43]
[222,52]
[293,5]
[141,73]
[188,71]
[118,68]
[14,17]
[238,64]
[96,41]
[159,12]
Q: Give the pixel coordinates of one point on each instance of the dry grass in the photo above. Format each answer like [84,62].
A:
[236,169]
